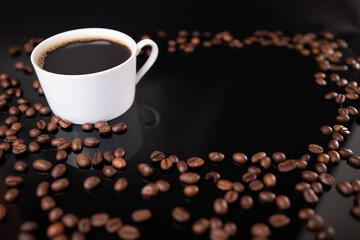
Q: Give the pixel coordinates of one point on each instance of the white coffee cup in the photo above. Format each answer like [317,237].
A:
[92,97]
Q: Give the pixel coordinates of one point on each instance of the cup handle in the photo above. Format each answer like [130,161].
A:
[150,61]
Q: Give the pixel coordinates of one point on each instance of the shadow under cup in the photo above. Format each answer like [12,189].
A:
[92,97]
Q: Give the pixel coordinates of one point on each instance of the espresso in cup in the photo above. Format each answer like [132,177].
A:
[83,56]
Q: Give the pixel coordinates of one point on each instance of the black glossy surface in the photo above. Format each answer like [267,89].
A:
[219,99]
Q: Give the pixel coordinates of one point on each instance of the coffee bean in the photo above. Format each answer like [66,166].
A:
[42,165]
[76,145]
[282,202]
[100,124]
[105,130]
[278,220]
[108,156]
[256,185]
[248,177]
[13,181]
[37,106]
[91,142]
[260,230]
[55,214]
[337,136]
[90,183]
[246,202]
[64,123]
[266,197]
[182,166]
[47,203]
[3,212]
[56,141]
[63,145]
[20,166]
[352,110]
[55,119]
[354,210]
[19,149]
[287,166]
[269,180]
[265,163]
[317,187]
[149,190]
[301,186]
[10,120]
[162,185]
[87,127]
[120,184]
[218,233]
[326,179]
[354,161]
[109,171]
[14,50]
[82,160]
[120,152]
[113,225]
[239,157]
[141,215]
[119,127]
[224,185]
[157,156]
[61,155]
[326,233]
[200,226]
[129,232]
[118,163]
[34,147]
[345,152]
[42,189]
[42,139]
[238,187]
[70,220]
[41,125]
[96,158]
[99,219]
[58,171]
[5,146]
[174,158]
[10,138]
[195,162]
[255,170]
[11,195]
[29,226]
[309,176]
[44,110]
[145,170]
[216,156]
[316,149]
[77,236]
[191,190]
[55,229]
[306,214]
[310,196]
[355,183]
[315,223]
[60,184]
[84,225]
[257,156]
[166,164]
[180,214]
[344,188]
[215,176]
[334,156]
[189,177]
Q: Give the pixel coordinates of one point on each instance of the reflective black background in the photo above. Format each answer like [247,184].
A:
[219,99]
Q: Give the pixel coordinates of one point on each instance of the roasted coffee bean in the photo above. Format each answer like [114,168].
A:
[266,197]
[55,214]
[337,136]
[180,214]
[230,228]
[87,127]
[60,184]
[129,232]
[309,176]
[333,144]
[278,220]
[119,152]
[246,202]
[119,127]
[317,187]
[355,183]
[56,141]
[282,202]
[10,120]
[316,149]
[109,171]
[37,106]
[354,210]
[3,129]
[174,158]
[105,130]
[3,212]
[108,156]
[344,188]
[214,176]
[5,146]
[352,110]
[255,170]
[195,162]
[10,138]
[55,229]
[47,203]
[248,177]
[91,183]
[239,157]
[269,180]
[20,166]
[345,152]
[44,110]
[14,50]
[42,165]
[96,158]
[354,160]
[29,226]
[191,190]
[14,111]
[120,184]
[334,156]
[100,124]
[42,189]
[17,141]
[19,149]
[215,222]
[41,125]
[265,163]
[257,156]
[182,166]
[141,215]
[70,220]
[326,179]
[301,164]
[149,190]
[200,226]
[91,142]
[306,213]
[118,163]
[238,187]
[34,147]
[113,225]
[256,185]
[55,119]
[231,196]
[340,99]
[61,155]
[145,169]
[310,196]
[326,233]
[224,185]
[287,166]
[76,235]
[99,219]
[84,225]
[157,156]
[342,118]
[82,160]
[34,133]
[216,156]
[162,185]
[76,145]
[315,223]
[260,230]
[189,177]
[13,181]
[166,164]
[301,186]
[42,139]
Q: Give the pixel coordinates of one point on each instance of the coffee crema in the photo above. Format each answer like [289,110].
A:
[83,56]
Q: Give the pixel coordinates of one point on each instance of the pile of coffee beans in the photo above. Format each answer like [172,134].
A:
[255,185]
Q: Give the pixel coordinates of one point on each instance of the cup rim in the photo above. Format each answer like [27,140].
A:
[91,32]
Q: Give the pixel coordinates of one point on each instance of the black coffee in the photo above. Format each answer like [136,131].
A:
[84,56]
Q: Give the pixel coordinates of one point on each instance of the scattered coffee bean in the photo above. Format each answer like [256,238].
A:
[239,157]
[3,212]
[224,185]
[20,166]
[162,185]
[91,183]
[60,184]
[76,145]
[246,202]
[108,156]
[96,158]
[61,155]
[42,189]
[109,171]
[182,166]
[47,203]
[310,196]
[278,220]
[354,161]
[157,156]
[214,176]
[309,176]
[100,124]
[180,214]
[149,190]
[119,152]
[316,149]
[55,214]
[120,184]
[13,181]
[55,229]
[256,185]
[266,197]
[118,163]
[287,166]
[70,220]
[145,170]
[216,156]
[306,213]
[42,139]
[344,188]
[105,129]
[129,232]
[195,162]
[260,230]
[119,128]
[113,225]
[282,202]
[82,160]
[29,226]
[355,183]
[315,223]
[87,127]
[257,156]
[58,171]
[42,165]
[166,164]
[189,177]
[91,142]
[99,219]
[141,215]
[355,211]
[191,190]
[84,225]
[327,233]
[200,226]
